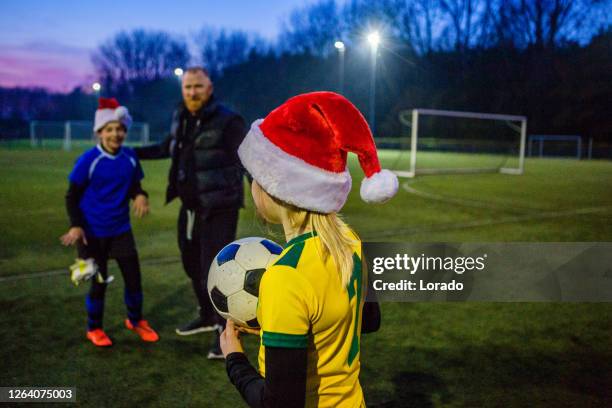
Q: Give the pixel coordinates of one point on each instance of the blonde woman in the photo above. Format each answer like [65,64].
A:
[311,300]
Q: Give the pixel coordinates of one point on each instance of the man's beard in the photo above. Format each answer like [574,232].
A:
[195,103]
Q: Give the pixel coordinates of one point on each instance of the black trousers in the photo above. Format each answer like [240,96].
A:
[201,235]
[123,248]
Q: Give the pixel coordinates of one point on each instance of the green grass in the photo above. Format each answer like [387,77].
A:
[427,354]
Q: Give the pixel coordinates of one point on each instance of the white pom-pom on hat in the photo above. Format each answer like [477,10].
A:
[379,187]
[123,116]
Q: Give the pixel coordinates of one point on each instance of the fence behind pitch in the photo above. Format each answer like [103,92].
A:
[77,134]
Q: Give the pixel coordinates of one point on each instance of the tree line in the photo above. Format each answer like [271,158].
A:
[547,59]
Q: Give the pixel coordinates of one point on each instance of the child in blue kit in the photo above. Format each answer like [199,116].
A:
[102,182]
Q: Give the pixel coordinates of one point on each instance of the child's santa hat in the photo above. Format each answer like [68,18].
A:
[298,153]
[109,110]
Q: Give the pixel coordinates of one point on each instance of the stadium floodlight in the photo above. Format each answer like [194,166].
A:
[339,45]
[453,142]
[178,72]
[374,39]
[96,86]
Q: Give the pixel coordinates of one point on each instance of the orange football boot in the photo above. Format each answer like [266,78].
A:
[143,329]
[99,338]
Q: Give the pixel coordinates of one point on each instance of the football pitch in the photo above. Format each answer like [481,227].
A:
[425,355]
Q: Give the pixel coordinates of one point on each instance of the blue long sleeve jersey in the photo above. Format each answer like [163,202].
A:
[106,180]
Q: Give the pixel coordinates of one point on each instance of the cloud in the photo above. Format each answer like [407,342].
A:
[56,48]
[51,65]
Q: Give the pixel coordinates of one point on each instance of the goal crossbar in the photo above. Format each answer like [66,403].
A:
[470,115]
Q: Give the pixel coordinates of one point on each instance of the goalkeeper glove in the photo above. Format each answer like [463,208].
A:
[84,269]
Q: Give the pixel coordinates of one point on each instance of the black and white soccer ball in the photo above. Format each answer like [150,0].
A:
[234,276]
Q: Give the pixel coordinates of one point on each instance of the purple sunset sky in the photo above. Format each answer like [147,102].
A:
[49,43]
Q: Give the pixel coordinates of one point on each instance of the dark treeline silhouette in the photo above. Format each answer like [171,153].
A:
[566,90]
[18,106]
[550,61]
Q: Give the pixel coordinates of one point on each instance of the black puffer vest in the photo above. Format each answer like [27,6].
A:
[206,172]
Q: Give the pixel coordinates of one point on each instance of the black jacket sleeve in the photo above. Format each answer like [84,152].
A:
[285,382]
[370,317]
[73,198]
[136,190]
[156,151]
[234,134]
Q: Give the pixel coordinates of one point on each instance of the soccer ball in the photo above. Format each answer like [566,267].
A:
[234,276]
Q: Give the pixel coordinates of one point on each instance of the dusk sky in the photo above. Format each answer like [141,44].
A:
[49,43]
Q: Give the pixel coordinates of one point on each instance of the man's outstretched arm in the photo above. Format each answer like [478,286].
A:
[155,151]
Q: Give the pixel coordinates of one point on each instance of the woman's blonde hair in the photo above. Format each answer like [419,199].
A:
[334,233]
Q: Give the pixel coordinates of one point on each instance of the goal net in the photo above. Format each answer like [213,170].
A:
[78,134]
[442,141]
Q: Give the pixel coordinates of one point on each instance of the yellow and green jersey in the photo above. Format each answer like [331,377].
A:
[302,304]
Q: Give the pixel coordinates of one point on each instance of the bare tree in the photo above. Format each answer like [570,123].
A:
[219,49]
[139,56]
[361,16]
[312,29]
[463,16]
[427,25]
[546,23]
[418,20]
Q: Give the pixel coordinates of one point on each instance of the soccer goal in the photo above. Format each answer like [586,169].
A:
[77,134]
[556,145]
[443,141]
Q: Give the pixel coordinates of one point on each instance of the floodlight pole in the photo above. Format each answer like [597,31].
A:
[33,133]
[145,134]
[96,87]
[521,167]
[372,115]
[341,68]
[178,73]
[67,136]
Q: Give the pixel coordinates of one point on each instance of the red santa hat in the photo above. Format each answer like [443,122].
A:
[298,153]
[109,110]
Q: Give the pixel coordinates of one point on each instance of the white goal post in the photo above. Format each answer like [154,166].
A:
[413,122]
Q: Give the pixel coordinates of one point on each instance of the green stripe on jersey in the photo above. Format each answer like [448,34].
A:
[295,341]
[292,257]
[355,288]
[301,238]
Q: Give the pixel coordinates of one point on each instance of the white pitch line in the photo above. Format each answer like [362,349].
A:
[484,223]
[55,272]
[462,201]
[412,230]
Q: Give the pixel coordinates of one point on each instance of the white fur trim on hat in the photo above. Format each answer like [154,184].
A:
[380,187]
[120,114]
[291,179]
